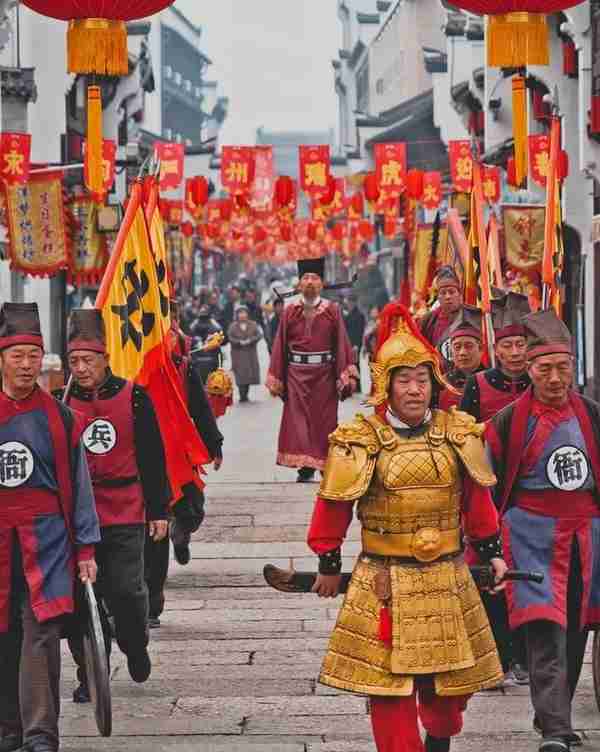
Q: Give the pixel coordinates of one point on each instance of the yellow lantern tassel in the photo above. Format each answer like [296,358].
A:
[517,39]
[519,105]
[97,45]
[93,146]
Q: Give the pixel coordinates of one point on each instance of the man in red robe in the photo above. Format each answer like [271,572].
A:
[435,325]
[465,338]
[312,368]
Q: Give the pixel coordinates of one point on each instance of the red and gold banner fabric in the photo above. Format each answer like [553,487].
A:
[89,253]
[524,236]
[390,168]
[461,165]
[432,190]
[322,212]
[491,184]
[35,215]
[237,168]
[171,211]
[109,158]
[263,187]
[314,168]
[171,158]
[539,158]
[15,157]
[287,213]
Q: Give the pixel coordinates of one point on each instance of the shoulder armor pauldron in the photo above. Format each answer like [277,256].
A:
[465,435]
[353,450]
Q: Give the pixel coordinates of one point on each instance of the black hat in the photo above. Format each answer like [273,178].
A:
[467,323]
[86,331]
[20,325]
[546,334]
[311,266]
[508,311]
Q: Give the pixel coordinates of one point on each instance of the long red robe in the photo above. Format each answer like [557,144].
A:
[310,392]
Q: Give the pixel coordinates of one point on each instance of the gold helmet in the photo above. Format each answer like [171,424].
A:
[401,344]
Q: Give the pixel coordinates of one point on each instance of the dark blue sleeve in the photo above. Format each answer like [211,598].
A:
[86,527]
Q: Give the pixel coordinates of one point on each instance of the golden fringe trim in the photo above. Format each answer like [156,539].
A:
[517,39]
[97,45]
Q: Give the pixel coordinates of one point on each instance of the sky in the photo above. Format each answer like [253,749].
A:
[273,60]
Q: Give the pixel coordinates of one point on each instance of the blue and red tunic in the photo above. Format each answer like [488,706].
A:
[46,502]
[547,462]
[488,392]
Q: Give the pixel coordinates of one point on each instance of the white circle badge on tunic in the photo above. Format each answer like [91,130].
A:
[16,464]
[446,349]
[100,436]
[567,468]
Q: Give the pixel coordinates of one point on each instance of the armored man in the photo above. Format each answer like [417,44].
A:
[412,632]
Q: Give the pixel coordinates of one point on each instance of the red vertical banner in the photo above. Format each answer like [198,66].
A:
[390,168]
[171,158]
[539,158]
[263,186]
[237,168]
[314,168]
[432,190]
[15,157]
[490,184]
[461,165]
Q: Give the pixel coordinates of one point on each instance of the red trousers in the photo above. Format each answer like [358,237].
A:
[395,720]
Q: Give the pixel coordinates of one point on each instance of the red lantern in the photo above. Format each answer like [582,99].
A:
[187,228]
[225,209]
[339,231]
[284,190]
[371,188]
[357,202]
[212,230]
[326,198]
[260,234]
[366,230]
[199,190]
[312,231]
[285,232]
[517,34]
[563,165]
[414,184]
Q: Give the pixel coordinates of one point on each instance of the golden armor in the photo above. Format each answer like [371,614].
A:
[409,495]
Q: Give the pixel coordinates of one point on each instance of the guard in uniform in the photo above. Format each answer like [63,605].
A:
[488,392]
[207,346]
[127,464]
[435,325]
[546,452]
[412,632]
[465,337]
[48,529]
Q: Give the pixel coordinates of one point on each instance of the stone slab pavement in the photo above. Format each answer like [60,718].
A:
[236,664]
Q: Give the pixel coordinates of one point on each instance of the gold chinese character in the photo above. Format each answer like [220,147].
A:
[391,173]
[430,194]
[464,168]
[489,188]
[167,167]
[315,174]
[237,172]
[13,163]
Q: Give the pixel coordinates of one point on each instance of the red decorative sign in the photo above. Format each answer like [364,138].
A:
[461,165]
[314,168]
[237,168]
[432,190]
[171,211]
[539,158]
[390,168]
[171,158]
[15,157]
[263,187]
[490,184]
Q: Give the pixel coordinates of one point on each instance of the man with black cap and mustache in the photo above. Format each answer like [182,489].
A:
[435,325]
[48,530]
[127,464]
[312,369]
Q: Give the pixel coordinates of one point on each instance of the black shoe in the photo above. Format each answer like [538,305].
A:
[153,622]
[39,743]
[11,742]
[182,554]
[140,666]
[434,744]
[572,739]
[305,475]
[554,745]
[81,695]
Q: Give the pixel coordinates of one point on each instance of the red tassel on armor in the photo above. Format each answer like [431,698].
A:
[385,626]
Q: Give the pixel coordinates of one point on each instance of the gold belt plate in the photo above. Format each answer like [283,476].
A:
[427,544]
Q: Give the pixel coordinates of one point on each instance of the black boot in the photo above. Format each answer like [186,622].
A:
[305,475]
[433,744]
[81,695]
[11,741]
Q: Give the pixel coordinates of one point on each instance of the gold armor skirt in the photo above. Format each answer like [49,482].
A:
[440,629]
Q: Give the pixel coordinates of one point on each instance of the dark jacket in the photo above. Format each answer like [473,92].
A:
[355,326]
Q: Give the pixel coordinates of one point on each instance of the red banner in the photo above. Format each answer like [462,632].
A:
[263,187]
[432,190]
[171,211]
[461,165]
[390,168]
[314,168]
[288,213]
[171,158]
[89,254]
[15,153]
[490,184]
[539,158]
[237,168]
[322,212]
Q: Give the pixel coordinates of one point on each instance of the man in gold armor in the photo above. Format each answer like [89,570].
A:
[412,632]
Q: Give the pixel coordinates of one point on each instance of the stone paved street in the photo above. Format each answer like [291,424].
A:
[235,664]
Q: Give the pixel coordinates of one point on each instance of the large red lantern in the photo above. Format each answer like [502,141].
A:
[326,198]
[96,44]
[371,187]
[284,190]
[199,186]
[414,184]
[517,33]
